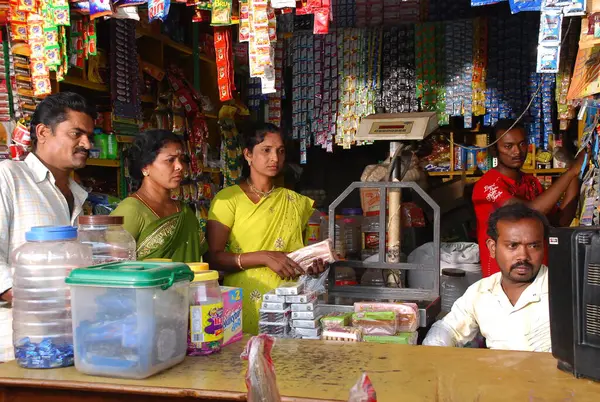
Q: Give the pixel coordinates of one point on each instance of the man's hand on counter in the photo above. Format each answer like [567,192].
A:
[7,296]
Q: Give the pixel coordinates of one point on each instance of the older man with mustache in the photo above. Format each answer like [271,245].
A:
[509,308]
[40,190]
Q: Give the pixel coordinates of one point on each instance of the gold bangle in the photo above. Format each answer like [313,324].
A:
[239,262]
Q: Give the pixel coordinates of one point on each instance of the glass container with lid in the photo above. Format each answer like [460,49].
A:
[109,240]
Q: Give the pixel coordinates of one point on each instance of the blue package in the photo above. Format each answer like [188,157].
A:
[517,6]
[575,9]
[475,3]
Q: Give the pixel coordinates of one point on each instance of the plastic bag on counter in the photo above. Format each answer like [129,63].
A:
[363,390]
[314,284]
[307,255]
[260,376]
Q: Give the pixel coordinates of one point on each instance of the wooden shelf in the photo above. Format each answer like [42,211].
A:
[174,45]
[125,139]
[80,82]
[479,173]
[103,162]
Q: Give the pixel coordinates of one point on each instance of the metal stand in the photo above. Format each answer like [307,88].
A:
[428,299]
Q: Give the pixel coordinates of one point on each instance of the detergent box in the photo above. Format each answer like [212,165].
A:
[232,313]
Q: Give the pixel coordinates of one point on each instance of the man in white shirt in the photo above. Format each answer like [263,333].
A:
[40,190]
[509,308]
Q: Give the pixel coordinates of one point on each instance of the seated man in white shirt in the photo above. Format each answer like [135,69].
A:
[40,191]
[509,308]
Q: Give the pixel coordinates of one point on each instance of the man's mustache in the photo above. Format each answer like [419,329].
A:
[81,150]
[521,264]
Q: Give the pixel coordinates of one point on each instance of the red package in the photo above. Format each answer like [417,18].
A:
[321,26]
[260,376]
[363,390]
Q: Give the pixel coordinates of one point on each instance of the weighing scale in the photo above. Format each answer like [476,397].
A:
[395,127]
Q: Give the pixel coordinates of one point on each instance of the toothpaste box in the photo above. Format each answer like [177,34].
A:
[232,314]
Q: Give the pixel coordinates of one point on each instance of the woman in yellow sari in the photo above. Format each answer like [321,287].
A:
[251,226]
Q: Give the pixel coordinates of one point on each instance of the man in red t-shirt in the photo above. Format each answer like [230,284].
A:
[506,184]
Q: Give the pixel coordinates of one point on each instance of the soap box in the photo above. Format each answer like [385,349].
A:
[232,313]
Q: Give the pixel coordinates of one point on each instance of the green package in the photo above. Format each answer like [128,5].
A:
[405,338]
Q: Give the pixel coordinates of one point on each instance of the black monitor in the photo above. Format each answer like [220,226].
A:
[574,299]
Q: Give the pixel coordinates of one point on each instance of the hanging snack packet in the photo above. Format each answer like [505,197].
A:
[126,13]
[99,8]
[517,6]
[27,6]
[62,16]
[475,3]
[321,26]
[576,8]
[548,58]
[554,4]
[158,10]
[550,27]
[35,27]
[221,12]
[18,31]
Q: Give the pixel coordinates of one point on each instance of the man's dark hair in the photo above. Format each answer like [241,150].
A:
[53,110]
[515,213]
[503,125]
[146,148]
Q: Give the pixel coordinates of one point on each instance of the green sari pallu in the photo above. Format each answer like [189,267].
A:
[176,237]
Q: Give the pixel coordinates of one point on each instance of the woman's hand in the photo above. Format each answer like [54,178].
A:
[317,267]
[282,265]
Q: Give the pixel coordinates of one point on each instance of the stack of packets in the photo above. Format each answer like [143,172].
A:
[374,322]
[289,307]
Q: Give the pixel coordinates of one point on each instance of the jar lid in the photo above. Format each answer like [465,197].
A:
[453,272]
[101,220]
[206,276]
[132,274]
[352,211]
[51,233]
[372,213]
[158,260]
[198,266]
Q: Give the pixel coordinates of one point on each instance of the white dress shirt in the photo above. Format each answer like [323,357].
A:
[28,197]
[485,308]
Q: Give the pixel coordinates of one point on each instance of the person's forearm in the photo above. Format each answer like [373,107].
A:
[440,334]
[568,206]
[228,262]
[546,201]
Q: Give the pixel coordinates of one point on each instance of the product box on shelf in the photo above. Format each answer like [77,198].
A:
[232,313]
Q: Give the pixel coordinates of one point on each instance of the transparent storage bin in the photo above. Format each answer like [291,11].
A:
[130,319]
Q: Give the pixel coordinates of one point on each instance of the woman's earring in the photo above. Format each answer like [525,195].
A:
[145,173]
[249,162]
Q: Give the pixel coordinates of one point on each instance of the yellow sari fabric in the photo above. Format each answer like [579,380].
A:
[276,223]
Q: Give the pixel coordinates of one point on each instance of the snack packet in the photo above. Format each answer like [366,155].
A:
[363,390]
[260,376]
[158,10]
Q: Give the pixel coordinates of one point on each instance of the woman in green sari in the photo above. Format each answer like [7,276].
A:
[161,227]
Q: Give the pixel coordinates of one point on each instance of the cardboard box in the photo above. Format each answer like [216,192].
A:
[232,313]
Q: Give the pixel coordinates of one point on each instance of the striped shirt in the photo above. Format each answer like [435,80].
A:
[28,197]
[485,307]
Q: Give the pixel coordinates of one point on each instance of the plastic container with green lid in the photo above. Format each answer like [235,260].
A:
[130,319]
[206,314]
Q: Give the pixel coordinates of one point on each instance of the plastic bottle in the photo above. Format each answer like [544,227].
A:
[313,232]
[42,328]
[206,312]
[112,146]
[109,240]
[101,143]
[353,222]
[370,235]
[340,236]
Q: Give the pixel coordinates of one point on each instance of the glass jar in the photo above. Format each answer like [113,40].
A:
[109,240]
[370,235]
[454,285]
[206,313]
[42,328]
[353,222]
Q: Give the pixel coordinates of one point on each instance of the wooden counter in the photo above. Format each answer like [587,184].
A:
[314,370]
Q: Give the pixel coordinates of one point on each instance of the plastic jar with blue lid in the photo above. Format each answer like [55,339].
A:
[42,329]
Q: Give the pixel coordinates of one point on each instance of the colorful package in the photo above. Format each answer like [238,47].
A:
[404,338]
[550,27]
[576,8]
[548,59]
[517,6]
[383,323]
[407,313]
[475,3]
[232,314]
[99,8]
[158,10]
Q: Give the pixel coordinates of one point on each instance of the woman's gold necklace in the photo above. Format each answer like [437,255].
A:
[260,194]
